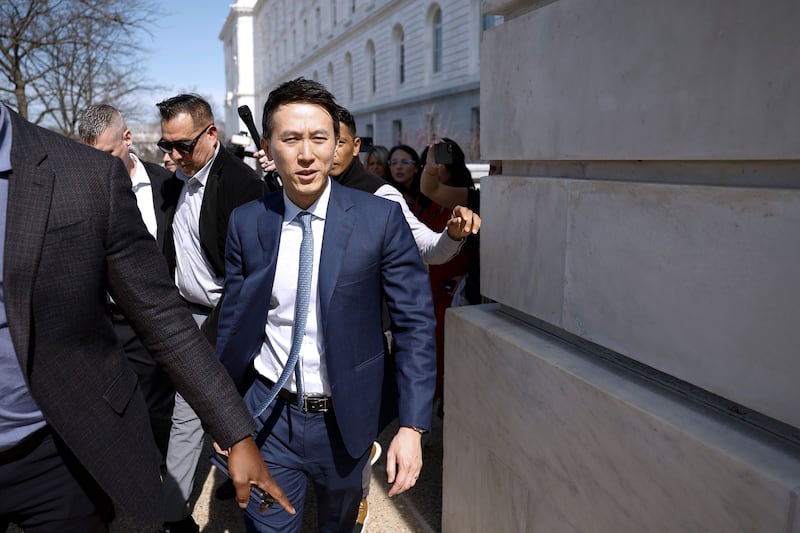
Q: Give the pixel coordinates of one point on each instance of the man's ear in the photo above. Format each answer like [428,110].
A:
[356,146]
[265,146]
[127,136]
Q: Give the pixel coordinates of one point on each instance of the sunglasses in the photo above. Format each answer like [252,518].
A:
[183,147]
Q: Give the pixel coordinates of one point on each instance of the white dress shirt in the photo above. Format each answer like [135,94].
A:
[280,318]
[143,189]
[194,275]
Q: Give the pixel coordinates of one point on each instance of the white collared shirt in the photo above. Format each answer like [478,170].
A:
[194,275]
[143,189]
[280,318]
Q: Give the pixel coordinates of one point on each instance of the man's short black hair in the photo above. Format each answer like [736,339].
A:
[299,91]
[347,119]
[192,104]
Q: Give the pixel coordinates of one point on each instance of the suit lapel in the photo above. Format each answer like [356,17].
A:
[269,230]
[29,196]
[338,228]
[156,188]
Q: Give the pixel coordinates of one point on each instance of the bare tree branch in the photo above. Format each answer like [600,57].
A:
[59,56]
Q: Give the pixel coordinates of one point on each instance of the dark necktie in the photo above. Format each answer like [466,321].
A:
[300,314]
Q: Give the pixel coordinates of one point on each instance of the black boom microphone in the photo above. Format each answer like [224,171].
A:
[247,118]
[272,179]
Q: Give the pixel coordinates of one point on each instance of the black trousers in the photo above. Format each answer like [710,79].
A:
[47,490]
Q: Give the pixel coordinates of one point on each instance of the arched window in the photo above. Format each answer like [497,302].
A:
[330,78]
[348,65]
[371,67]
[437,40]
[400,54]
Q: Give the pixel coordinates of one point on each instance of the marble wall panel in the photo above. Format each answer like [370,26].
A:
[699,282]
[494,485]
[523,243]
[592,448]
[622,80]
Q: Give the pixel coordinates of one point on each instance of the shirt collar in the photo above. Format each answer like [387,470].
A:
[202,175]
[140,176]
[319,208]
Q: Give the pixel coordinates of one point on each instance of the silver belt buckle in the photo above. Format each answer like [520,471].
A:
[319,404]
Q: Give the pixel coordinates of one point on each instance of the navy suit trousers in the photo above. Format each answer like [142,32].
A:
[297,447]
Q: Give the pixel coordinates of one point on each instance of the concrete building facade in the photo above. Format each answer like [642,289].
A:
[408,70]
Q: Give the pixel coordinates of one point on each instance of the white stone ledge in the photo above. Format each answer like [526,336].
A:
[539,437]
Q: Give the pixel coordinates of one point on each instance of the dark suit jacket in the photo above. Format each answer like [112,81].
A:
[367,251]
[74,233]
[230,183]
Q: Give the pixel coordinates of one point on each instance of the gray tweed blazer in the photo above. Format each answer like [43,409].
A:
[73,234]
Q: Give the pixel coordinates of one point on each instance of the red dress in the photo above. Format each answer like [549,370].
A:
[444,279]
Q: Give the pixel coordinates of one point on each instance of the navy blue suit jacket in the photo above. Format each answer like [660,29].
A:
[367,252]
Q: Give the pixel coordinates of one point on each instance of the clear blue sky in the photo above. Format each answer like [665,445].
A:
[186,53]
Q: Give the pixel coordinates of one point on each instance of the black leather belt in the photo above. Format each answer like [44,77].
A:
[311,403]
[25,446]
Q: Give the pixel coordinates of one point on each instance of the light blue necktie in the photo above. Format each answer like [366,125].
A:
[300,315]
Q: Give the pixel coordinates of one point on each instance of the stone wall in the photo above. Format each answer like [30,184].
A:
[649,208]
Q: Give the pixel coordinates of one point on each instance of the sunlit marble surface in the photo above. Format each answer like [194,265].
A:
[540,438]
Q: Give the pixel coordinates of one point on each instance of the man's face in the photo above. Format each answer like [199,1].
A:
[182,128]
[115,141]
[347,150]
[303,145]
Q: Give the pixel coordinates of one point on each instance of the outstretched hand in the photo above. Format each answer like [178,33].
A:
[463,222]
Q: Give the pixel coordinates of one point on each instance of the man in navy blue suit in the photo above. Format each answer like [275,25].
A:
[362,250]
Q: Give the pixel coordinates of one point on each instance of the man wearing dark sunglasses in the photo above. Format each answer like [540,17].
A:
[208,184]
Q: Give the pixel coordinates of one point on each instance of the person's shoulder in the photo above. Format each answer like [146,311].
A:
[233,168]
[365,200]
[155,170]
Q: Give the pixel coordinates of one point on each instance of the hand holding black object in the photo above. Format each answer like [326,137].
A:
[260,497]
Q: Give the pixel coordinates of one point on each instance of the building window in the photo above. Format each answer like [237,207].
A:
[319,24]
[333,11]
[397,131]
[348,65]
[437,40]
[330,78]
[353,6]
[400,54]
[370,131]
[371,67]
